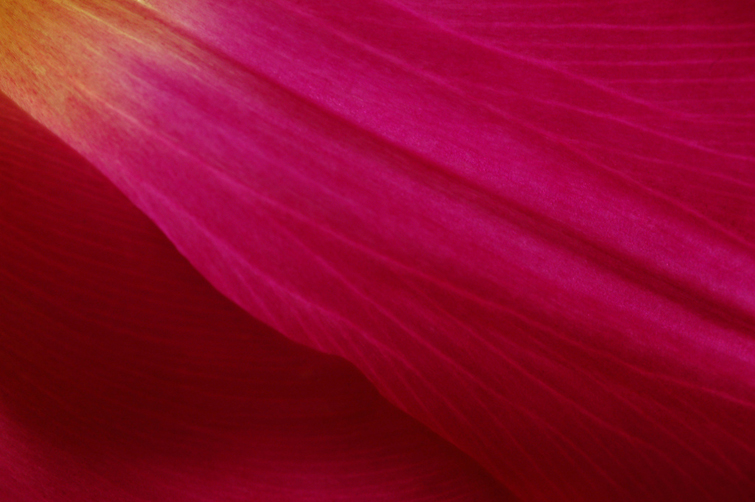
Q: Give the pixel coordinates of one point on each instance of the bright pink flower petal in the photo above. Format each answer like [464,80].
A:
[124,376]
[689,63]
[553,270]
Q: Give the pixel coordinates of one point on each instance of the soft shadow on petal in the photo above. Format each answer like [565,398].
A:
[124,376]
[555,273]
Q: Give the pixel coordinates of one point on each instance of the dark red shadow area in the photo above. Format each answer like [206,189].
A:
[125,376]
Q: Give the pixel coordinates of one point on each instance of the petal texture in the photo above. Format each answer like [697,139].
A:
[690,63]
[551,269]
[124,376]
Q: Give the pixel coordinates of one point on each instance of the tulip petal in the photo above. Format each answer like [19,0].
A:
[124,376]
[554,272]
[691,63]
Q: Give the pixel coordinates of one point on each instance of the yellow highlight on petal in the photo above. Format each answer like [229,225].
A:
[68,61]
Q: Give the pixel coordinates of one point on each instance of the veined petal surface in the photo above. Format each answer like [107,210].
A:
[124,376]
[551,268]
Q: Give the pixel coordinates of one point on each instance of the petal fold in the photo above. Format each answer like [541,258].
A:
[124,376]
[552,268]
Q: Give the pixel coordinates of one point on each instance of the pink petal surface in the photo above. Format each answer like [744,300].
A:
[552,269]
[124,376]
[692,63]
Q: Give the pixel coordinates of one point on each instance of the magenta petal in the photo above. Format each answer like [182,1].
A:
[124,376]
[552,270]
[689,65]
